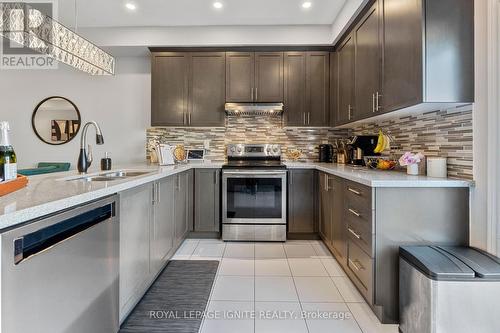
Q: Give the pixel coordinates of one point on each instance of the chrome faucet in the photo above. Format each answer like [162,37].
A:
[85,157]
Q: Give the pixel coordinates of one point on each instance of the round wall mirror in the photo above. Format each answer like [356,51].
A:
[56,120]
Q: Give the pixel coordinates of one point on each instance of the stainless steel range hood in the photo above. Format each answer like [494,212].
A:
[249,109]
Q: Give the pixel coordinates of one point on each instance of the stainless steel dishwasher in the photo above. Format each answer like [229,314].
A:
[60,273]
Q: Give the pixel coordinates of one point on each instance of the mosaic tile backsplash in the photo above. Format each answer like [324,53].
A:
[256,129]
[438,133]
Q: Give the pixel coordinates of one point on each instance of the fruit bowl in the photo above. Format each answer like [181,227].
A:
[380,163]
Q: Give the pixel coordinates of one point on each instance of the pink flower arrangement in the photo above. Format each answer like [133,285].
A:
[409,158]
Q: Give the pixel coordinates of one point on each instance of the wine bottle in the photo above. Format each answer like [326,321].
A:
[8,161]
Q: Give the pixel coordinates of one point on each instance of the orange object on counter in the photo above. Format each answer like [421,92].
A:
[13,185]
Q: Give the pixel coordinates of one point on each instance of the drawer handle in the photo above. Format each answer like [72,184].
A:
[353,212]
[353,191]
[356,265]
[358,236]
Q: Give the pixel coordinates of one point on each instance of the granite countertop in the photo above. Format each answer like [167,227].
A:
[47,194]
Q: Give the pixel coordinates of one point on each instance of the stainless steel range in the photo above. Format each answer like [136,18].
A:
[254,193]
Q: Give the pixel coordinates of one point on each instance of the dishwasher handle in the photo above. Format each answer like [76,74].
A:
[38,241]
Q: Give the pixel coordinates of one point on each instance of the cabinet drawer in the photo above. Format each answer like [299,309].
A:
[362,267]
[359,214]
[361,236]
[359,195]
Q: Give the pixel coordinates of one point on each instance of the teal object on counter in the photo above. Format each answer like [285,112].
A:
[45,167]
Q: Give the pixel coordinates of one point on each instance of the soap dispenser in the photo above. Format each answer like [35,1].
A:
[106,162]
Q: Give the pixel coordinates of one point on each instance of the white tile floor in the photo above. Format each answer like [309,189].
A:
[273,287]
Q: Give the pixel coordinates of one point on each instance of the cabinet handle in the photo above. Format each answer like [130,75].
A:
[290,177]
[153,199]
[353,212]
[252,95]
[358,236]
[158,193]
[304,118]
[373,103]
[309,118]
[189,118]
[353,191]
[356,265]
[377,105]
[184,118]
[327,183]
[256,94]
[349,108]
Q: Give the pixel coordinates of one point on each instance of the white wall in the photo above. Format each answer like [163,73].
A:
[121,104]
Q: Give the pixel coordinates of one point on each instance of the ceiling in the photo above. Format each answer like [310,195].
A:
[161,13]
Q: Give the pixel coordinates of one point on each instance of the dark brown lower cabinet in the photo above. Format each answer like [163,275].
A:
[325,207]
[207,200]
[302,194]
[339,237]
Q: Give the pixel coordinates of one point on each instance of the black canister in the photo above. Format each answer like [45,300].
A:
[326,153]
[106,163]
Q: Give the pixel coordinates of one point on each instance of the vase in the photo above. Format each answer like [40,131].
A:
[412,169]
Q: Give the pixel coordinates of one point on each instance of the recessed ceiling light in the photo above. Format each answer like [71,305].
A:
[130,6]
[218,5]
[306,4]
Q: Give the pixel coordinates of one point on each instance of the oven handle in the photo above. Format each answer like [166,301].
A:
[253,173]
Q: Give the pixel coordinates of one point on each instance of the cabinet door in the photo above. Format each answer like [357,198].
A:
[240,74]
[339,236]
[325,207]
[318,88]
[206,216]
[180,209]
[346,80]
[207,89]
[367,66]
[162,240]
[190,199]
[135,216]
[295,88]
[301,201]
[402,78]
[268,77]
[334,80]
[169,90]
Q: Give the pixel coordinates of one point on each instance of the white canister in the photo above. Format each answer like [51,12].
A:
[412,169]
[437,167]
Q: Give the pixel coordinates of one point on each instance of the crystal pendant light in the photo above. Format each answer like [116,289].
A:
[27,26]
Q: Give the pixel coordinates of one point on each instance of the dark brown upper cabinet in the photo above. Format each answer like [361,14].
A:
[268,77]
[345,81]
[413,55]
[188,89]
[169,89]
[334,87]
[254,77]
[367,64]
[428,53]
[207,87]
[240,76]
[307,88]
[318,88]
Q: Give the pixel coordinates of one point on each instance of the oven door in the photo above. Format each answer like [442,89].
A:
[254,196]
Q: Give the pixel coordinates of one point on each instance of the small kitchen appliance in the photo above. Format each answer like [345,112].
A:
[254,193]
[326,153]
[361,146]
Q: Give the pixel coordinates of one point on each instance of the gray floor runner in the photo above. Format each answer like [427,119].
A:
[183,286]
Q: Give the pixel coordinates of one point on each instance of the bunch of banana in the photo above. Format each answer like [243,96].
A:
[383,143]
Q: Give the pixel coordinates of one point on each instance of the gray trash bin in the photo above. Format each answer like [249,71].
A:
[448,290]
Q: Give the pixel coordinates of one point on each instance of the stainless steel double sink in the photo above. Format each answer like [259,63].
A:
[110,176]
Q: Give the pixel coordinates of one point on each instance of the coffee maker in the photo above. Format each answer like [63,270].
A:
[361,146]
[326,153]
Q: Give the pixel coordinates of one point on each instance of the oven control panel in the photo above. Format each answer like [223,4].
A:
[253,150]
